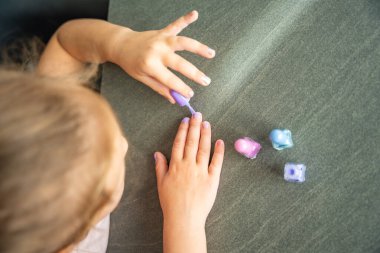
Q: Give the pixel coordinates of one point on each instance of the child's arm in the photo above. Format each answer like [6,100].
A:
[76,43]
[188,187]
[146,56]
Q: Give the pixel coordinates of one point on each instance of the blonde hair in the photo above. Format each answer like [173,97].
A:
[55,151]
[22,54]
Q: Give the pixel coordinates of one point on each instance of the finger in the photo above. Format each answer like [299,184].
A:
[192,141]
[181,65]
[184,43]
[180,139]
[177,26]
[167,78]
[203,155]
[217,159]
[161,166]
[158,87]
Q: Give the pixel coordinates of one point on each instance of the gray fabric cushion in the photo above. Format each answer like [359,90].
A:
[310,66]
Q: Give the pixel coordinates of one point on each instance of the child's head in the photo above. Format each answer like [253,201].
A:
[61,162]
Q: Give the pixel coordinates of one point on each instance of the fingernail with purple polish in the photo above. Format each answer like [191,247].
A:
[185,120]
[197,115]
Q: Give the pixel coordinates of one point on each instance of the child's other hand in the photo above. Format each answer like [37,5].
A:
[146,56]
[187,188]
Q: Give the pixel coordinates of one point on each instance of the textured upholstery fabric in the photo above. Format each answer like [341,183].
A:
[310,66]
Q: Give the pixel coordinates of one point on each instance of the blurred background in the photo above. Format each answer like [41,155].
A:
[25,18]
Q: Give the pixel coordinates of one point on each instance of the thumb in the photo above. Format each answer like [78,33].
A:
[161,166]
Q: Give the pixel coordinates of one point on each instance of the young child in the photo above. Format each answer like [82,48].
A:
[62,150]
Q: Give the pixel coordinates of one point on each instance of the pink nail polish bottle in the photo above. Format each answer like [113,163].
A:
[247,147]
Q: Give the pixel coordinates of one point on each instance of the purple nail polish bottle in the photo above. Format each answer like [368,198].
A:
[181,100]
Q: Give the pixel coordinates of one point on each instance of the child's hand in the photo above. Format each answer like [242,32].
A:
[187,189]
[146,56]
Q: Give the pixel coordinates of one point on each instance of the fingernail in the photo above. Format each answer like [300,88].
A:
[206,80]
[155,156]
[185,120]
[197,115]
[206,124]
[191,93]
[211,52]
